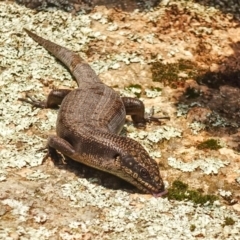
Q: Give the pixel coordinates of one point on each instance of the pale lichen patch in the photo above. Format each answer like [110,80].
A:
[208,165]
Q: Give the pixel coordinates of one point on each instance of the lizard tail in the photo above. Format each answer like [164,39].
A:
[77,66]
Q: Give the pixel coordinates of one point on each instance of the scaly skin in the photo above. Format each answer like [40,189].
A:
[89,121]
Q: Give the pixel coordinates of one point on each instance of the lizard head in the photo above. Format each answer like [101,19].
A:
[138,168]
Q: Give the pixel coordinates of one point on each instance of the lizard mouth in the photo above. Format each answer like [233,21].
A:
[160,194]
[155,192]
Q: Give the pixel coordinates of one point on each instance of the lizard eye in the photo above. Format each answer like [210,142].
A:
[143,172]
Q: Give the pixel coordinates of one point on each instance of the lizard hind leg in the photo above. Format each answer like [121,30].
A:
[29,99]
[55,144]
[61,145]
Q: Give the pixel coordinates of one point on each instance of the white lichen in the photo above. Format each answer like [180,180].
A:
[165,132]
[196,127]
[36,175]
[112,27]
[238,180]
[182,110]
[18,208]
[2,175]
[208,165]
[152,93]
[224,193]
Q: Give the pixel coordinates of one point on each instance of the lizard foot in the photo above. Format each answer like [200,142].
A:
[150,118]
[55,156]
[32,101]
[156,119]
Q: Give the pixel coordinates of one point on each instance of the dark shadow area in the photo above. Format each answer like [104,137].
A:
[87,5]
[222,95]
[225,6]
[217,108]
[214,99]
[96,176]
[228,71]
[217,79]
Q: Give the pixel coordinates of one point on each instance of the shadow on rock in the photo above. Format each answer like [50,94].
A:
[87,5]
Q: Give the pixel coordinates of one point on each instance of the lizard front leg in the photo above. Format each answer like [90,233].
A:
[61,145]
[136,109]
[53,100]
[55,144]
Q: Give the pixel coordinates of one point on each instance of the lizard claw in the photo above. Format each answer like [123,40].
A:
[32,101]
[50,153]
[157,119]
[150,118]
[56,158]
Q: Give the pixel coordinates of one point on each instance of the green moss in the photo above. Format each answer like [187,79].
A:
[192,227]
[135,86]
[169,73]
[186,65]
[179,191]
[209,144]
[180,185]
[172,73]
[228,221]
[164,72]
[158,89]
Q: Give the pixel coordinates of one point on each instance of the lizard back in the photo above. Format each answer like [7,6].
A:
[97,106]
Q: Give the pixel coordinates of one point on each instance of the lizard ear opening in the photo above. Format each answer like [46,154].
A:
[117,157]
[117,160]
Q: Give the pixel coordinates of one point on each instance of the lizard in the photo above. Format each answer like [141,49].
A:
[89,121]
